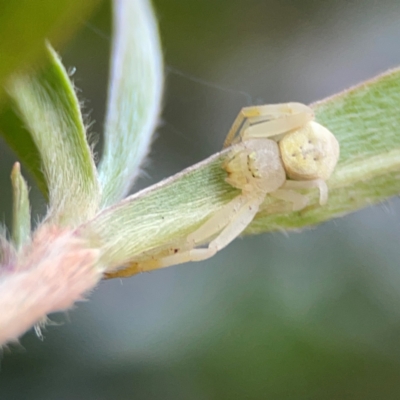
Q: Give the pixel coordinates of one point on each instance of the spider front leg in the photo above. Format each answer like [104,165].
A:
[288,192]
[268,121]
[235,224]
[227,224]
[315,183]
[224,226]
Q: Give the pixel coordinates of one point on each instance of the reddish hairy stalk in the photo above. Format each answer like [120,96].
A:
[50,275]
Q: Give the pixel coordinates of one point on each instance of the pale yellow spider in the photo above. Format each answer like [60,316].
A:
[276,149]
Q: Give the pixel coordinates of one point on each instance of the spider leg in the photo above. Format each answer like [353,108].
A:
[230,222]
[315,183]
[233,135]
[283,117]
[298,200]
[274,127]
[234,225]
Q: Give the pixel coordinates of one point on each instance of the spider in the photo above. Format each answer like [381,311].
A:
[276,150]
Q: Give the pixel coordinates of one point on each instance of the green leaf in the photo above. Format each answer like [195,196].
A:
[21,224]
[134,96]
[365,120]
[25,24]
[50,110]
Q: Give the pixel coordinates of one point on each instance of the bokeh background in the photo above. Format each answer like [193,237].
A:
[309,315]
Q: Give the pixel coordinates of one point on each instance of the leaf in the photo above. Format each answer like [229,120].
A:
[21,224]
[134,96]
[365,120]
[25,24]
[50,110]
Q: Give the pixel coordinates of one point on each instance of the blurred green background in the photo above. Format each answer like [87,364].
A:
[310,315]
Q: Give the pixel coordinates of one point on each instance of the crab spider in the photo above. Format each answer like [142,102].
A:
[276,150]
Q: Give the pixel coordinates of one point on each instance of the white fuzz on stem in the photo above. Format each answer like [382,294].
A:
[54,272]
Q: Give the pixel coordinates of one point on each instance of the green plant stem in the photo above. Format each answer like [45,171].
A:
[21,224]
